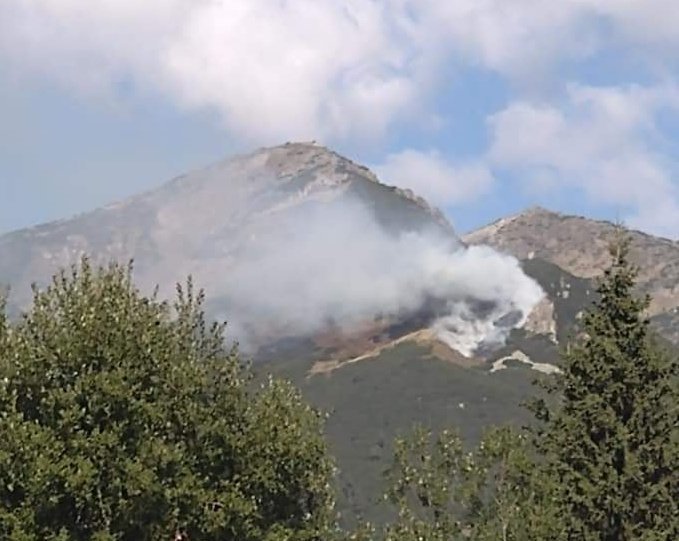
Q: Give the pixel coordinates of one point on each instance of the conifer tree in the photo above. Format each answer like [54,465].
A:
[612,442]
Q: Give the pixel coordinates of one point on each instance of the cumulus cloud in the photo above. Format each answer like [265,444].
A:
[601,141]
[522,37]
[270,70]
[512,38]
[334,264]
[649,23]
[332,68]
[297,67]
[438,180]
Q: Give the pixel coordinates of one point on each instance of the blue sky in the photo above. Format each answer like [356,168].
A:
[484,107]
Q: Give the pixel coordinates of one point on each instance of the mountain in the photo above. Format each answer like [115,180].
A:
[580,246]
[360,293]
[301,250]
[202,222]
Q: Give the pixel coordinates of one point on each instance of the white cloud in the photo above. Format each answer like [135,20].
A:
[85,47]
[645,22]
[508,37]
[299,68]
[601,141]
[333,69]
[430,175]
[271,70]
[525,39]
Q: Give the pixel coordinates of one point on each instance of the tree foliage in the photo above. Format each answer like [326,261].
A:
[126,418]
[612,441]
[494,492]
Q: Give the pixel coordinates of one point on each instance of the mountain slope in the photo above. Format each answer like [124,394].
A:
[200,223]
[300,250]
[580,246]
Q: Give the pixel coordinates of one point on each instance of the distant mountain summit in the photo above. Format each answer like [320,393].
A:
[200,223]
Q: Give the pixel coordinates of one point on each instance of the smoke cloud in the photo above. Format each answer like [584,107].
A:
[335,264]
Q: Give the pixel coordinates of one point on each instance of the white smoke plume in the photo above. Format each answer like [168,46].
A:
[333,263]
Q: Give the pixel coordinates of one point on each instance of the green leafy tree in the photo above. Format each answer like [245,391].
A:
[510,497]
[126,418]
[426,481]
[612,440]
[495,492]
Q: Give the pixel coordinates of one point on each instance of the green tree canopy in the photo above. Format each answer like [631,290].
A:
[126,418]
[612,441]
[494,492]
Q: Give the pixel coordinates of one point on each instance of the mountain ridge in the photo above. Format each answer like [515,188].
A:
[580,246]
[160,228]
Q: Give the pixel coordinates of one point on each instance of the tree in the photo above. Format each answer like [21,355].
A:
[496,492]
[126,418]
[511,493]
[612,441]
[425,485]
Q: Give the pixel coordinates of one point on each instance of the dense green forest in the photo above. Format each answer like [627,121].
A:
[125,417]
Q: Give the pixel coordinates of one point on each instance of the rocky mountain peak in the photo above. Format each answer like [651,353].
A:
[201,223]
